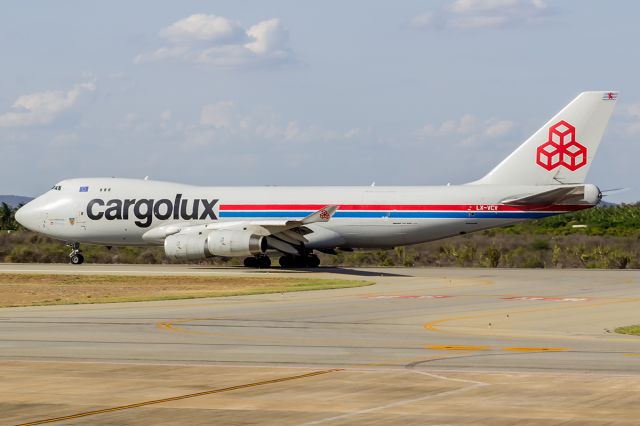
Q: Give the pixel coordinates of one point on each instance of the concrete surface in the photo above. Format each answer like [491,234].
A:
[421,346]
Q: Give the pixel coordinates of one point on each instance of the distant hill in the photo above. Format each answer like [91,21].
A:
[14,200]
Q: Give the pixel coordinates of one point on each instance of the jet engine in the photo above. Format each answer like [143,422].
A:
[204,244]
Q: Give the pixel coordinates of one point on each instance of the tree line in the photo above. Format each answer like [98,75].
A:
[8,217]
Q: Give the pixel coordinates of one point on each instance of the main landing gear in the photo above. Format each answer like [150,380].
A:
[262,262]
[75,257]
[286,261]
[308,261]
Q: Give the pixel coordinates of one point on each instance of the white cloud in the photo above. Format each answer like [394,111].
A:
[467,129]
[43,107]
[478,14]
[217,41]
[229,122]
[499,128]
[473,22]
[205,28]
[464,125]
[217,115]
[268,38]
[476,6]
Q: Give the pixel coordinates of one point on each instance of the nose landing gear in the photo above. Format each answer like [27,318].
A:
[75,257]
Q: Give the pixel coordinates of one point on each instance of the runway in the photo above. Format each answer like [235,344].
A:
[421,346]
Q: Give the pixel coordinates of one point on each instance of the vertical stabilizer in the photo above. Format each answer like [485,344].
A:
[562,150]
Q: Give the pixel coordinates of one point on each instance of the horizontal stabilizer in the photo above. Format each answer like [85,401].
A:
[614,191]
[563,195]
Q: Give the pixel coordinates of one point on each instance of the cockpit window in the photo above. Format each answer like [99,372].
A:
[57,188]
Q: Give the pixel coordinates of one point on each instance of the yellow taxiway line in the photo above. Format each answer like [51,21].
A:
[487,348]
[179,397]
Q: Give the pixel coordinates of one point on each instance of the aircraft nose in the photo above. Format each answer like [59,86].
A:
[26,216]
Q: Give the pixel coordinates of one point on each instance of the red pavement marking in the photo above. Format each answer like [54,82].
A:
[388,296]
[547,299]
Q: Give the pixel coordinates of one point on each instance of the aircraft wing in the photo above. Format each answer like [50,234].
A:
[563,195]
[271,227]
[282,234]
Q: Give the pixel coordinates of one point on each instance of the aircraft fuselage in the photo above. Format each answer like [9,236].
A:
[113,211]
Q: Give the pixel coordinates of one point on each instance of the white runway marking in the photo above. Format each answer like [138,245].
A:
[473,385]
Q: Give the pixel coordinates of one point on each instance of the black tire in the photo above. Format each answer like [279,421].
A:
[77,259]
[250,262]
[264,262]
[313,261]
[286,261]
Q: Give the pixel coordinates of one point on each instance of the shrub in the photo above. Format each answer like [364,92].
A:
[532,262]
[540,244]
[491,257]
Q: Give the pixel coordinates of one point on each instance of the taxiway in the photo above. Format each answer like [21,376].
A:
[419,346]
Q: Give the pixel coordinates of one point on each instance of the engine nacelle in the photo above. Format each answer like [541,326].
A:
[203,244]
[235,243]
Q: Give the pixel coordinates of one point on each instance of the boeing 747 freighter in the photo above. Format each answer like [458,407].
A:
[544,176]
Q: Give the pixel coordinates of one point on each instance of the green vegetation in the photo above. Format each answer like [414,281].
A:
[610,238]
[7,217]
[629,329]
[621,220]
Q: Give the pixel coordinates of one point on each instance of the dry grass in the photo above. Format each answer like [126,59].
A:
[49,289]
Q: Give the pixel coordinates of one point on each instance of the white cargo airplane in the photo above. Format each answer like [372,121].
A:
[543,177]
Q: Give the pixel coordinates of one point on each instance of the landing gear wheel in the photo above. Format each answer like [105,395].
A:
[289,261]
[250,262]
[264,262]
[257,262]
[75,257]
[312,261]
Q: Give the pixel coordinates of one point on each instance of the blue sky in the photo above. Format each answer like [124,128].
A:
[302,93]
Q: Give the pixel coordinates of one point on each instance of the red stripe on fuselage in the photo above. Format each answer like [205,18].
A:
[404,207]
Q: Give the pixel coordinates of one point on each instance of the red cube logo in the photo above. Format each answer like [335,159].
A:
[561,149]
[549,155]
[575,156]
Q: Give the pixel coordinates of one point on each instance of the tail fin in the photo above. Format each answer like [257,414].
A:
[562,150]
